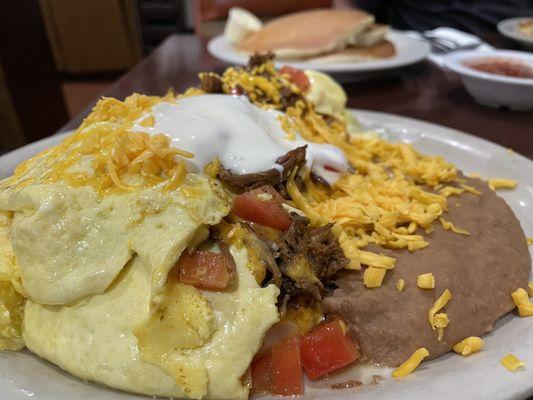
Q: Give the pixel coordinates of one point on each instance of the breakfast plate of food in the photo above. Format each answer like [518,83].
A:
[252,237]
[348,41]
[519,29]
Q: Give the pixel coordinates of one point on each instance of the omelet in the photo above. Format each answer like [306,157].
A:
[95,337]
[90,232]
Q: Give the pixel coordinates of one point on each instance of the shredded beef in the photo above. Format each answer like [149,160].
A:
[258,59]
[288,97]
[307,258]
[211,83]
[324,252]
[243,182]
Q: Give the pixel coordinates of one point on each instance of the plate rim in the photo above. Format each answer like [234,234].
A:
[346,67]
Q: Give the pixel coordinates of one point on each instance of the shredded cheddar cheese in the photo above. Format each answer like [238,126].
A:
[412,362]
[425,281]
[441,321]
[469,345]
[392,193]
[529,241]
[530,287]
[500,183]
[448,226]
[373,277]
[522,303]
[400,285]
[470,189]
[116,157]
[512,362]
[437,306]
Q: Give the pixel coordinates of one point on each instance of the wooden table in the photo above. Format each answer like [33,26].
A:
[420,91]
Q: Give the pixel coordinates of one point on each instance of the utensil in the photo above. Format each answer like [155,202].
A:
[441,45]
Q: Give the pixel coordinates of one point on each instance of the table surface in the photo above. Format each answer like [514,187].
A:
[421,91]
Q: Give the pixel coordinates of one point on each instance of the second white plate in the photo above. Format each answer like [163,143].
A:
[408,51]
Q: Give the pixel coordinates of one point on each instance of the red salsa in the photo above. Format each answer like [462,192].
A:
[501,66]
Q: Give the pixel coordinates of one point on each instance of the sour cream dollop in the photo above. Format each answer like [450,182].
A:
[245,138]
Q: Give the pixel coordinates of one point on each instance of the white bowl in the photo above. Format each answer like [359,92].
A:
[491,89]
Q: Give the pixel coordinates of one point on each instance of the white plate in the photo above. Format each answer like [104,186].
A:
[480,376]
[509,28]
[408,51]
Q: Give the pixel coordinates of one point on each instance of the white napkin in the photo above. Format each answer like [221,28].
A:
[459,37]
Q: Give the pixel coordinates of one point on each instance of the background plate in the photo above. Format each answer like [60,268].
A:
[408,51]
[509,28]
[480,376]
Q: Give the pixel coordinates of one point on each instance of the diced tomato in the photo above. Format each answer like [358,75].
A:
[207,270]
[330,168]
[297,76]
[327,348]
[261,370]
[287,368]
[262,205]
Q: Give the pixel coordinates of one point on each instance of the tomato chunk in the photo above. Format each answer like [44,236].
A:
[261,371]
[207,270]
[297,76]
[264,206]
[287,368]
[327,348]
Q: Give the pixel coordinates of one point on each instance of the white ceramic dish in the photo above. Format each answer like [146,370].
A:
[408,51]
[24,376]
[509,28]
[491,89]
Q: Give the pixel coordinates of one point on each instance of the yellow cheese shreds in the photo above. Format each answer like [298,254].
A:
[474,175]
[211,169]
[530,287]
[148,122]
[520,296]
[386,195]
[425,281]
[400,285]
[525,310]
[104,154]
[470,189]
[373,277]
[522,303]
[529,241]
[350,249]
[441,321]
[512,362]
[440,303]
[469,345]
[412,362]
[448,226]
[500,183]
[450,190]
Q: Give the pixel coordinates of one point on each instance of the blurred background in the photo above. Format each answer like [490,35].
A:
[57,56]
